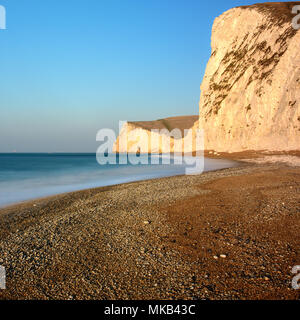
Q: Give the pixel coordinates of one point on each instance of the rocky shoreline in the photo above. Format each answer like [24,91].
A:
[229,234]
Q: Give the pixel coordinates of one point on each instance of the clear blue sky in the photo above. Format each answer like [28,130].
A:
[70,68]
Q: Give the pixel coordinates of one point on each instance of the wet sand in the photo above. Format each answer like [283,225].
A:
[229,234]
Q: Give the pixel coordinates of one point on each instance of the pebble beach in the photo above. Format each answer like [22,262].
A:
[228,234]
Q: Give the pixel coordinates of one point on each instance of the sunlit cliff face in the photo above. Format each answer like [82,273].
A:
[250,93]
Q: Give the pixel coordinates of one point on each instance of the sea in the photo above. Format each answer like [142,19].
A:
[27,176]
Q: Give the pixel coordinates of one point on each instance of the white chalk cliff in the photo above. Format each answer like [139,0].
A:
[155,137]
[250,94]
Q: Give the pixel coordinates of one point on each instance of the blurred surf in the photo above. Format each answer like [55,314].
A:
[29,176]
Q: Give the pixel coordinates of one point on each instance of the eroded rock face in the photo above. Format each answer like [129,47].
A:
[250,93]
[174,134]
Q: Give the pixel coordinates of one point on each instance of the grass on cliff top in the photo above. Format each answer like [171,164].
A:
[278,12]
[182,122]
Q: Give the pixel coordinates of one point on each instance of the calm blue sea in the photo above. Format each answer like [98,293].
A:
[30,176]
